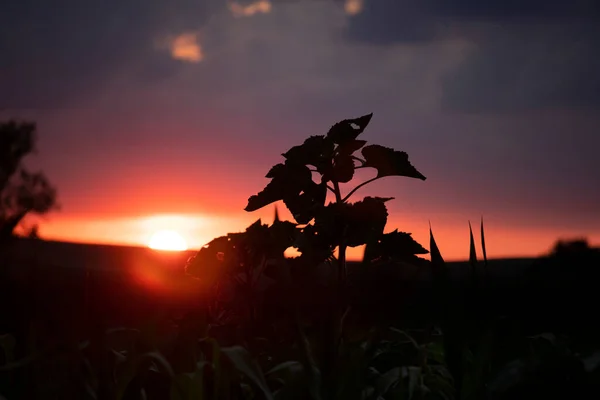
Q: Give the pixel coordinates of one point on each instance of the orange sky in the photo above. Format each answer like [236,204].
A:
[171,119]
[198,229]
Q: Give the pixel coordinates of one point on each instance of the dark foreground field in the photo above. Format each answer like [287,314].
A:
[56,296]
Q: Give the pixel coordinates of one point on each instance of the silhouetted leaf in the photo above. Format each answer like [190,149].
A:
[276,170]
[367,220]
[315,248]
[132,367]
[397,246]
[291,376]
[348,129]
[316,151]
[212,261]
[245,252]
[350,146]
[288,180]
[354,223]
[305,205]
[342,170]
[247,366]
[413,375]
[386,381]
[283,234]
[389,162]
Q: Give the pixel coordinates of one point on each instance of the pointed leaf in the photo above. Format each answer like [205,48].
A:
[355,223]
[351,146]
[396,246]
[348,129]
[437,261]
[389,162]
[483,245]
[438,267]
[386,381]
[292,378]
[316,151]
[367,220]
[246,365]
[287,180]
[306,205]
[472,252]
[342,170]
[413,374]
[408,337]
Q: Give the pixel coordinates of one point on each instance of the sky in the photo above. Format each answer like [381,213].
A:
[168,114]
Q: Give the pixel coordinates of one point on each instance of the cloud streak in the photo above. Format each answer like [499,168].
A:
[353,7]
[186,47]
[248,10]
[53,57]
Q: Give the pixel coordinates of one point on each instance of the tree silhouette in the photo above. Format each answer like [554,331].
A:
[21,192]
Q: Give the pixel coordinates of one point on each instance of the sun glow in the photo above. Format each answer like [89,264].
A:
[167,240]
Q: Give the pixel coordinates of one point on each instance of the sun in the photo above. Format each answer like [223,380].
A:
[167,240]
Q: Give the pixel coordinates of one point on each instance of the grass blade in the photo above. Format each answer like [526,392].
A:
[437,261]
[438,266]
[483,245]
[472,257]
[451,324]
[472,251]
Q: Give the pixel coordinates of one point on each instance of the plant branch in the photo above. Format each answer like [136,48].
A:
[358,187]
[330,188]
[360,160]
[338,193]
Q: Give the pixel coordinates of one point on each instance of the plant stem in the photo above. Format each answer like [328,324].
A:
[358,187]
[360,160]
[333,331]
[338,193]
[342,247]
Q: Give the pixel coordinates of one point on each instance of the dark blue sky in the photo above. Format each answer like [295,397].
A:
[181,106]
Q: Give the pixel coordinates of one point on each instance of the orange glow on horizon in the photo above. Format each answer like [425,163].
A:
[167,240]
[451,232]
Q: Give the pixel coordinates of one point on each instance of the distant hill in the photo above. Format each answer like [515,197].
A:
[95,257]
[90,256]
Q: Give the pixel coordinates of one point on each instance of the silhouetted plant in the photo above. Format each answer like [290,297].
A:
[340,223]
[21,191]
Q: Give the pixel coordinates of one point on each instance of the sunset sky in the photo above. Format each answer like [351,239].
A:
[167,114]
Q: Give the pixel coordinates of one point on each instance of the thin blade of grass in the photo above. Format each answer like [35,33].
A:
[485,263]
[472,251]
[472,255]
[437,261]
[438,266]
[450,324]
